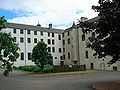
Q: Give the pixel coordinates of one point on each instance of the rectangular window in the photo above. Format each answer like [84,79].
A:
[41,33]
[41,40]
[53,41]
[14,30]
[83,37]
[68,41]
[60,50]
[86,52]
[21,31]
[28,32]
[15,39]
[29,40]
[59,37]
[49,41]
[49,49]
[35,40]
[22,56]
[68,55]
[53,49]
[21,40]
[63,34]
[60,57]
[52,34]
[68,33]
[29,56]
[63,42]
[63,49]
[49,34]
[64,56]
[93,34]
[35,32]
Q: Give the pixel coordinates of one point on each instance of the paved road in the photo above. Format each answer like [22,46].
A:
[19,81]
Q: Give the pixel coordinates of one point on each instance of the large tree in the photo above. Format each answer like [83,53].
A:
[107,29]
[8,49]
[41,56]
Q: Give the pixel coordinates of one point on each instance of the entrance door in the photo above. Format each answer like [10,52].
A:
[91,66]
[61,63]
[114,68]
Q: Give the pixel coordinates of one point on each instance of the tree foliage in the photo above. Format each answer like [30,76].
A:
[41,56]
[107,29]
[8,49]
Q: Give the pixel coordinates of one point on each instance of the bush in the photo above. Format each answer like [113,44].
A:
[66,68]
[31,68]
[48,68]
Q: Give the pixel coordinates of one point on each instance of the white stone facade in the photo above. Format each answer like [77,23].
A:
[27,37]
[79,54]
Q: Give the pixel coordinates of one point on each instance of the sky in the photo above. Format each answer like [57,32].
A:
[61,13]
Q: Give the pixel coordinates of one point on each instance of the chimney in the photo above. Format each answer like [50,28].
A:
[50,26]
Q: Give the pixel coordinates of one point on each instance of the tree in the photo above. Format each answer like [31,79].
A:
[107,29]
[41,56]
[8,49]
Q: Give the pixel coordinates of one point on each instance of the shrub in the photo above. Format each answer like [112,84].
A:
[31,68]
[48,68]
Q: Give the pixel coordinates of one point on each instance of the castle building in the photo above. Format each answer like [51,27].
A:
[75,51]
[68,47]
[27,37]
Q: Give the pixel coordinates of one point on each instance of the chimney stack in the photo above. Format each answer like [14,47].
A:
[50,26]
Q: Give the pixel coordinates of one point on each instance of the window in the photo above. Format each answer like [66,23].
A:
[29,40]
[49,49]
[86,52]
[63,42]
[41,33]
[53,42]
[68,33]
[93,34]
[48,34]
[68,41]
[63,34]
[14,30]
[49,41]
[53,49]
[59,50]
[63,49]
[35,40]
[22,56]
[15,39]
[35,32]
[41,40]
[64,56]
[55,57]
[60,57]
[5,54]
[83,37]
[59,37]
[21,31]
[68,55]
[28,31]
[52,34]
[21,40]
[29,56]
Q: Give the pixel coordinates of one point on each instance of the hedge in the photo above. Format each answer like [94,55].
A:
[66,68]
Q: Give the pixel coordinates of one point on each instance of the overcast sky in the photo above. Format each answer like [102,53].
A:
[61,13]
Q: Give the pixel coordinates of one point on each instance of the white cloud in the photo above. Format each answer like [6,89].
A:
[59,12]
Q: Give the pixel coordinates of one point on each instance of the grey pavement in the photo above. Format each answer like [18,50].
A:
[21,81]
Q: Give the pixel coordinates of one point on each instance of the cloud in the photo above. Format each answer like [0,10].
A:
[59,12]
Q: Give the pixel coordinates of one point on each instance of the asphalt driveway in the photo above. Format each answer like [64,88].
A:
[21,81]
